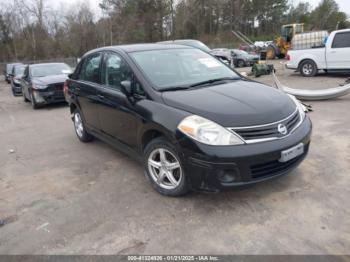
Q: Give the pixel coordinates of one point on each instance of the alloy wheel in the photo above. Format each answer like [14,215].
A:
[78,124]
[307,69]
[165,168]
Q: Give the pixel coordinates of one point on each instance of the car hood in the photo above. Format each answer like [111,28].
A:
[47,80]
[18,76]
[239,103]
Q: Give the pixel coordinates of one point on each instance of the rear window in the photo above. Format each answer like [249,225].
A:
[341,40]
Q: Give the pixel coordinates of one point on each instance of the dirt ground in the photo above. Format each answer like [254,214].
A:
[60,196]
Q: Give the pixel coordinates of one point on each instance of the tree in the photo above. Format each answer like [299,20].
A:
[326,16]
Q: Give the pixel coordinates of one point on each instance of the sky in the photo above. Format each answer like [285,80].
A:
[343,4]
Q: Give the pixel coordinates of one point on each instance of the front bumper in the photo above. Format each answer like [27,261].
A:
[16,88]
[43,97]
[214,168]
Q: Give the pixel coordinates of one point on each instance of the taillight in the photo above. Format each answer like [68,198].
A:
[65,88]
[288,57]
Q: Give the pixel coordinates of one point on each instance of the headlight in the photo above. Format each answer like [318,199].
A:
[208,132]
[36,86]
[301,108]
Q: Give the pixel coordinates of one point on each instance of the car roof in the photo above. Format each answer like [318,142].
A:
[179,41]
[138,47]
[13,64]
[45,64]
[19,65]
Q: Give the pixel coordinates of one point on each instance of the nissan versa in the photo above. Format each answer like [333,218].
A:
[193,122]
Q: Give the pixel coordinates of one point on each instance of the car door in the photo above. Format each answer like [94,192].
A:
[338,55]
[118,113]
[85,87]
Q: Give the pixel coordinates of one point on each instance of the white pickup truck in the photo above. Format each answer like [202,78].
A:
[334,56]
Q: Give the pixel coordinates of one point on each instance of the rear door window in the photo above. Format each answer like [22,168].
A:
[90,70]
[341,40]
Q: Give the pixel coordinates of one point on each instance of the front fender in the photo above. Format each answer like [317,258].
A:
[159,117]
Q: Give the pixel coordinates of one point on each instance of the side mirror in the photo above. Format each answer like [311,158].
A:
[126,87]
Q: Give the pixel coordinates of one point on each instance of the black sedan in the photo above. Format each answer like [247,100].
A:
[43,83]
[191,120]
[16,76]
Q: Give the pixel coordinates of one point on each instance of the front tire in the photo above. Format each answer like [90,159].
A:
[308,68]
[164,169]
[25,99]
[80,128]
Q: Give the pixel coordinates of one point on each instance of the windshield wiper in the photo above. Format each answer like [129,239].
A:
[174,88]
[212,81]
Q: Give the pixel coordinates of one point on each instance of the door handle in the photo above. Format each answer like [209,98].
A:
[101,96]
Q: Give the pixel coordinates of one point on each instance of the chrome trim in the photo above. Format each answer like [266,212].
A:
[253,141]
[270,124]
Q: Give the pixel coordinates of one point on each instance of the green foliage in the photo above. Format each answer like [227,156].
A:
[36,32]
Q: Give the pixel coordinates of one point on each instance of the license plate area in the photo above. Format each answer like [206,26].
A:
[291,153]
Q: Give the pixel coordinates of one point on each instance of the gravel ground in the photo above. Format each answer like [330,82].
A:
[60,196]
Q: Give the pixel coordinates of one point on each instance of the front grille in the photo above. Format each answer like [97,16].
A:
[273,168]
[57,89]
[269,131]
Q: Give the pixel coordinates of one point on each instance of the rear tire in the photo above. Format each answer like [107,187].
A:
[164,168]
[308,68]
[80,128]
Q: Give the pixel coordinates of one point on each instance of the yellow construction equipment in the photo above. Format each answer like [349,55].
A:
[282,43]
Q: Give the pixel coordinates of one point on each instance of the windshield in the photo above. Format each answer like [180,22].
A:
[49,70]
[180,67]
[19,70]
[9,68]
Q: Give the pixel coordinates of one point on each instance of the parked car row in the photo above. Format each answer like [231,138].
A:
[40,84]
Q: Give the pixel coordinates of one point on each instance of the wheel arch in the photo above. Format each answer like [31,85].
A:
[73,106]
[306,59]
[151,132]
